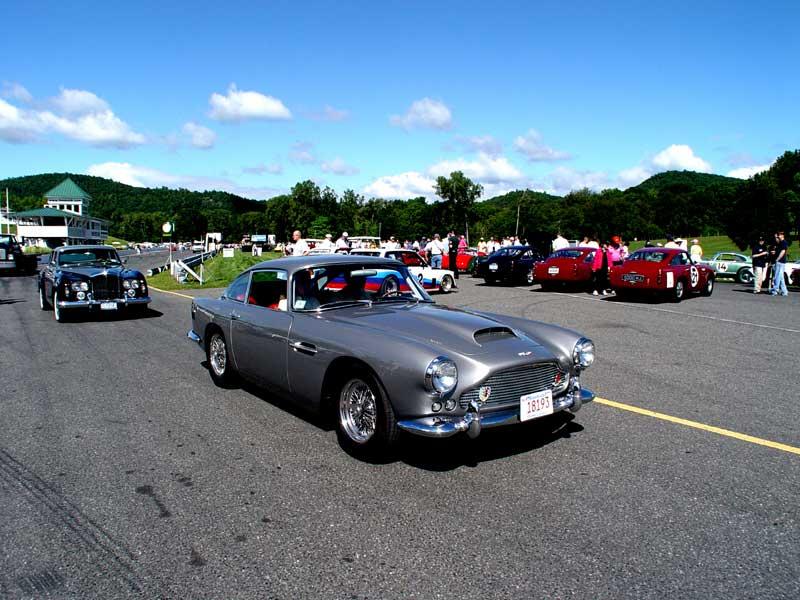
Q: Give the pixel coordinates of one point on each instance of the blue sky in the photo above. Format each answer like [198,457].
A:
[381,97]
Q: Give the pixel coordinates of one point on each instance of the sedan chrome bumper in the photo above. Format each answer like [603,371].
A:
[90,303]
[474,421]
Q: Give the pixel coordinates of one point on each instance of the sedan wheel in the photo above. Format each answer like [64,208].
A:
[708,289]
[745,276]
[58,313]
[43,303]
[447,284]
[679,291]
[365,420]
[529,277]
[219,360]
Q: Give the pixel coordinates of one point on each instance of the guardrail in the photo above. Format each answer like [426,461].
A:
[182,264]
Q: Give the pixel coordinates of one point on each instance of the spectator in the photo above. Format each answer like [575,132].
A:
[593,243]
[299,245]
[435,249]
[760,257]
[671,242]
[600,271]
[778,281]
[614,251]
[482,246]
[462,244]
[452,253]
[342,245]
[559,242]
[327,243]
[696,251]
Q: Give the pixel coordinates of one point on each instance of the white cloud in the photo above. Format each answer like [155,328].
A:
[481,143]
[486,169]
[303,153]
[79,102]
[633,176]
[680,157]
[563,180]
[338,166]
[140,176]
[410,184]
[15,91]
[424,113]
[79,115]
[240,105]
[329,113]
[261,168]
[535,150]
[748,172]
[200,136]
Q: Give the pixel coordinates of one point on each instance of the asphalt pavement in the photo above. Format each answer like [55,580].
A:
[124,472]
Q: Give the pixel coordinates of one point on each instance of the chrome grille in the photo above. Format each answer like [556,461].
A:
[105,287]
[508,386]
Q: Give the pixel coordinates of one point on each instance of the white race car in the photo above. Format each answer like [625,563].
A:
[431,279]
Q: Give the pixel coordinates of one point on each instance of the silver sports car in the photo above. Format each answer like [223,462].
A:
[359,337]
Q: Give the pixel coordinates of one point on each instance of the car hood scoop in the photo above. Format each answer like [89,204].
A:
[450,329]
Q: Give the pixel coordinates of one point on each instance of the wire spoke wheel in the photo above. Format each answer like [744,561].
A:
[217,355]
[358,411]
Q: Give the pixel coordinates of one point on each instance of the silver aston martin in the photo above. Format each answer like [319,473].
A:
[359,337]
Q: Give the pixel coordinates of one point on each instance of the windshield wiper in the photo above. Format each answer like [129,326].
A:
[343,303]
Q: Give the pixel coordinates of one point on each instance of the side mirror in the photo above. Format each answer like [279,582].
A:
[124,261]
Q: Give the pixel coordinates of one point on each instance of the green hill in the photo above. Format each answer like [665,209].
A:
[689,179]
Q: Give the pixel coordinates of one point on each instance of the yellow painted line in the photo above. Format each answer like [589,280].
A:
[173,293]
[702,426]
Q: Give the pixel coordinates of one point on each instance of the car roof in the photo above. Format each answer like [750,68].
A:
[86,247]
[298,263]
[660,249]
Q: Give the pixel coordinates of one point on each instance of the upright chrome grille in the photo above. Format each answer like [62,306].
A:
[508,386]
[105,287]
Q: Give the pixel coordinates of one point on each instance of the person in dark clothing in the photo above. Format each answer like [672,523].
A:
[760,255]
[778,281]
[452,253]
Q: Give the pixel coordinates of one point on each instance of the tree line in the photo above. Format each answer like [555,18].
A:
[678,202]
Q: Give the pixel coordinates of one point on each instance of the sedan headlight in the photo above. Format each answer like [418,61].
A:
[441,376]
[583,353]
[80,286]
[126,284]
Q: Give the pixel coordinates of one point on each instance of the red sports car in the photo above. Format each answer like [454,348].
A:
[667,271]
[465,261]
[565,266]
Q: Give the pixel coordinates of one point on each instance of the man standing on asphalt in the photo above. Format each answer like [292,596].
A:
[696,251]
[342,245]
[452,253]
[299,245]
[559,242]
[760,254]
[778,282]
[435,249]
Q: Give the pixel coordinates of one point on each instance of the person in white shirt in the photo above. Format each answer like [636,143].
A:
[559,242]
[671,243]
[392,244]
[435,249]
[342,245]
[299,245]
[327,243]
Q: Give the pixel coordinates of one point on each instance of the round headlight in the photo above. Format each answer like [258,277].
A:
[441,376]
[135,284]
[131,293]
[80,286]
[81,295]
[583,354]
[126,284]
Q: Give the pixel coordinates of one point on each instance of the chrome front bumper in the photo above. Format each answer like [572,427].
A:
[90,303]
[474,421]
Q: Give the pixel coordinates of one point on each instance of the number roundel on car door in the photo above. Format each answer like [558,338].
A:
[694,276]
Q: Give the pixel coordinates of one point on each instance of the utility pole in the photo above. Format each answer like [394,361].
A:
[8,215]
[516,229]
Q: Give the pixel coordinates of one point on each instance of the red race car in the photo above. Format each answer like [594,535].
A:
[568,266]
[465,261]
[665,271]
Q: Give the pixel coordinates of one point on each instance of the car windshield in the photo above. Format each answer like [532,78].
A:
[648,256]
[7,239]
[505,252]
[567,254]
[341,285]
[104,256]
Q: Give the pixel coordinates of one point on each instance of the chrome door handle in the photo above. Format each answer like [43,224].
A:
[235,316]
[303,347]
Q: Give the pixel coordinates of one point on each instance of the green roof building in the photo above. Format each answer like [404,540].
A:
[69,197]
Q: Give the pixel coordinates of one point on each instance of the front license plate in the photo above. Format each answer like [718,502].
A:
[538,404]
[493,267]
[552,270]
[108,306]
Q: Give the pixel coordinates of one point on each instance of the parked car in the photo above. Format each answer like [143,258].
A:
[431,279]
[198,246]
[732,265]
[90,278]
[512,264]
[14,259]
[465,261]
[792,272]
[357,338]
[564,267]
[663,271]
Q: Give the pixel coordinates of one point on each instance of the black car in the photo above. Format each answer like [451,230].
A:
[12,258]
[90,278]
[512,264]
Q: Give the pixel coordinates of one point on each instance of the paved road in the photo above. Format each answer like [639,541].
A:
[125,472]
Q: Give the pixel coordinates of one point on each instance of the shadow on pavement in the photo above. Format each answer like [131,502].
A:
[11,301]
[83,316]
